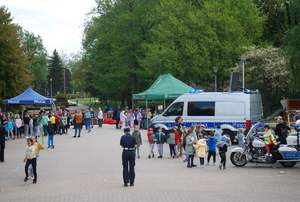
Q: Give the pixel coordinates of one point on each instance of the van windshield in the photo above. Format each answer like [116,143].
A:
[175,109]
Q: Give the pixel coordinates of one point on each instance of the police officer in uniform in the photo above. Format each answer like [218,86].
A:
[128,143]
[2,142]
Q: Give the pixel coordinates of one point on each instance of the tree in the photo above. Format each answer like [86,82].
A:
[292,40]
[275,25]
[112,46]
[192,37]
[37,55]
[269,73]
[14,65]
[56,74]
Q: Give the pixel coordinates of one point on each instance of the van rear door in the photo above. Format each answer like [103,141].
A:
[256,110]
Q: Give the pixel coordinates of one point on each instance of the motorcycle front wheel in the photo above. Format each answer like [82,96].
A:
[288,164]
[238,159]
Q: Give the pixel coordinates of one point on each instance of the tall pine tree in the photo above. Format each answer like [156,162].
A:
[56,74]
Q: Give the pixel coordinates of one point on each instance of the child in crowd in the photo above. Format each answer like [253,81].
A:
[189,149]
[185,134]
[193,128]
[10,128]
[31,127]
[51,132]
[160,139]
[241,137]
[30,159]
[38,148]
[170,139]
[212,148]
[131,118]
[18,124]
[178,141]
[151,139]
[136,133]
[222,145]
[218,133]
[201,150]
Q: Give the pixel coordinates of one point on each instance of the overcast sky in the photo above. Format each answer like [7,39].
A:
[58,22]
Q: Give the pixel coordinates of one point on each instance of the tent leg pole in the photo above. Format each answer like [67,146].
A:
[147,113]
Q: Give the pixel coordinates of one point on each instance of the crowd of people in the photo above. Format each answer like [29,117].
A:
[193,141]
[34,124]
[133,117]
[182,141]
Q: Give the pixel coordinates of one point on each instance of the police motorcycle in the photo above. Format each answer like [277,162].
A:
[254,149]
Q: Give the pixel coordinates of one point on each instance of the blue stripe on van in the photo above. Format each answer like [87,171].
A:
[211,125]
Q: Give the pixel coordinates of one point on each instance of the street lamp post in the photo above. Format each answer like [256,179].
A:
[51,87]
[64,81]
[215,68]
[243,60]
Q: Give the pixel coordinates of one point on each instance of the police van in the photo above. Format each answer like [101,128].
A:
[230,110]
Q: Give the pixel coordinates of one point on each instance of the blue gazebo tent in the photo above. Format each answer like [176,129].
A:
[29,97]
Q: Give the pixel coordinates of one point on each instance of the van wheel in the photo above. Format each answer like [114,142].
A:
[229,134]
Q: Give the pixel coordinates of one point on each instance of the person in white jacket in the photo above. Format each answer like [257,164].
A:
[123,118]
[18,123]
[100,117]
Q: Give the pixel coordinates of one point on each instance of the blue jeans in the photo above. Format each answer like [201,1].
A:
[45,130]
[78,127]
[88,124]
[31,130]
[223,159]
[50,140]
[26,127]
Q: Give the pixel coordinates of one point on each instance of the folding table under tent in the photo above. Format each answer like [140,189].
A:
[165,87]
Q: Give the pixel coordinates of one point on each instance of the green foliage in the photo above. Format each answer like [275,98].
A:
[112,45]
[292,41]
[37,55]
[269,73]
[14,64]
[61,96]
[189,40]
[55,69]
[275,25]
[73,74]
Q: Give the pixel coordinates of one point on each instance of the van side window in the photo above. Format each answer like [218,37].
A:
[175,110]
[201,108]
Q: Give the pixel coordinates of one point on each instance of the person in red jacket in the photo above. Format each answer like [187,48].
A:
[151,138]
[178,141]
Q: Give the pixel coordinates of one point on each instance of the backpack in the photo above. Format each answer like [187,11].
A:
[171,139]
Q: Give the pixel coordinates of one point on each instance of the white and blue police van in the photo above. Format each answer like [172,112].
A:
[230,110]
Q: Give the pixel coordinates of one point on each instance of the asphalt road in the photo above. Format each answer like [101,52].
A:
[90,169]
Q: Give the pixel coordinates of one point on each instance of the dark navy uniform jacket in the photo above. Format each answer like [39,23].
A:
[2,134]
[128,141]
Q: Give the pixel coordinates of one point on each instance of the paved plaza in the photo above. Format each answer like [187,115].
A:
[89,169]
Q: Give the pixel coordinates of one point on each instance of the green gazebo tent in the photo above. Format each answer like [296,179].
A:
[165,87]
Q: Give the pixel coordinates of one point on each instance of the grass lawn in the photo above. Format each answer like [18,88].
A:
[86,101]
